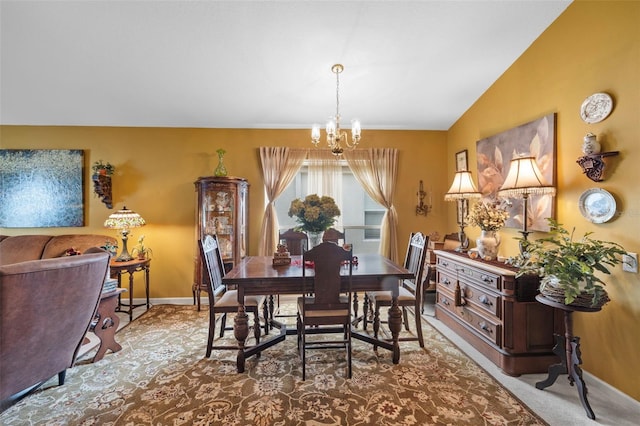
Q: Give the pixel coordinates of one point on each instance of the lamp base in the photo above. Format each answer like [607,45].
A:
[124,256]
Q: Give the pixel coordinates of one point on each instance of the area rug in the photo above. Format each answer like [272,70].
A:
[161,377]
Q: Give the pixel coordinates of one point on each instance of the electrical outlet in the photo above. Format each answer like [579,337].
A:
[630,262]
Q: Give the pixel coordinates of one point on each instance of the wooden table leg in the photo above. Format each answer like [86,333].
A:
[395,325]
[570,363]
[106,326]
[241,331]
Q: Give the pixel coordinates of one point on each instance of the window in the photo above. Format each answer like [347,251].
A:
[360,220]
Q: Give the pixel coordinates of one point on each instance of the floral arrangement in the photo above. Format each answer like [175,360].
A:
[489,216]
[314,213]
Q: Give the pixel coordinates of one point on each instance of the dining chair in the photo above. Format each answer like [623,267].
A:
[327,310]
[409,292]
[333,235]
[221,299]
[295,241]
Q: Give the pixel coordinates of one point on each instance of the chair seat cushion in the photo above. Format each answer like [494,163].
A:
[324,312]
[230,298]
[385,296]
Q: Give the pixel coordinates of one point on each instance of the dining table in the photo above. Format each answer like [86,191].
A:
[257,275]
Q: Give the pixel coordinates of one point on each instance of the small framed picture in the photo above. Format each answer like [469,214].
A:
[462,162]
[463,207]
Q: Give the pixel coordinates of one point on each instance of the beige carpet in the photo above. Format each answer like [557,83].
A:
[162,378]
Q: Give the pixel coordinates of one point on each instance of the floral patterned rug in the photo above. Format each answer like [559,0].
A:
[161,377]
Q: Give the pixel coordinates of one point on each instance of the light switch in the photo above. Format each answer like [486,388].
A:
[630,262]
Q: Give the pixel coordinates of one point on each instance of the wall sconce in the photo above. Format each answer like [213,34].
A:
[423,209]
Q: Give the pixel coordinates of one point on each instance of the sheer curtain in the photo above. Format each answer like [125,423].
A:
[376,169]
[325,176]
[279,167]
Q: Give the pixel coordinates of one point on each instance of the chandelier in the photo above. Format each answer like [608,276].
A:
[337,139]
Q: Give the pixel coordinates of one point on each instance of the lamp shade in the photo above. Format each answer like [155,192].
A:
[462,187]
[525,177]
[124,219]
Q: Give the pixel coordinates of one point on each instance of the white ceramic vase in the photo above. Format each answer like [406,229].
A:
[488,244]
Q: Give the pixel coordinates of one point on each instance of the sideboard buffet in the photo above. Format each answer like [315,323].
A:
[496,312]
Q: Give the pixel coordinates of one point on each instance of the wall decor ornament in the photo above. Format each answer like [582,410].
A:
[41,188]
[596,108]
[101,178]
[537,139]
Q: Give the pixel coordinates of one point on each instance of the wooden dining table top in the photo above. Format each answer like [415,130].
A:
[370,268]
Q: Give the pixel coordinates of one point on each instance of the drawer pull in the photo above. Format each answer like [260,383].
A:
[486,278]
[445,264]
[484,327]
[446,282]
[445,302]
[485,300]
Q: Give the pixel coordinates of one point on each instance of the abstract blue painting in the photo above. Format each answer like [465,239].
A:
[41,188]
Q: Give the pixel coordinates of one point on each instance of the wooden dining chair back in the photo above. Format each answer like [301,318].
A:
[409,292]
[333,235]
[221,299]
[295,241]
[328,310]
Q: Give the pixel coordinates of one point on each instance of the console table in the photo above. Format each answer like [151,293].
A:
[130,267]
[568,349]
[496,312]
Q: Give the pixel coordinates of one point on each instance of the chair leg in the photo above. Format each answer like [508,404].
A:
[212,332]
[419,327]
[405,318]
[256,325]
[365,312]
[376,321]
[348,328]
[223,324]
[265,313]
[61,377]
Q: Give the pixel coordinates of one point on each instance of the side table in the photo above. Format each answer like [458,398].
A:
[568,349]
[105,323]
[130,267]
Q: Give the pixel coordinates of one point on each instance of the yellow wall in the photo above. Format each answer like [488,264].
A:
[594,46]
[156,168]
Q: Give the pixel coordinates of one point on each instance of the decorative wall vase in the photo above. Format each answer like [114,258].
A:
[102,188]
[590,144]
[488,244]
[315,238]
[221,170]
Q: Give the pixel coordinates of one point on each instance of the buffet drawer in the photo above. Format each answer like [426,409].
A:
[469,273]
[482,298]
[489,329]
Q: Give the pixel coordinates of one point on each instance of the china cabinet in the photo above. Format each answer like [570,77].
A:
[221,209]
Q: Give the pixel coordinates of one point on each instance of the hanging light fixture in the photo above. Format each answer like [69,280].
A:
[337,138]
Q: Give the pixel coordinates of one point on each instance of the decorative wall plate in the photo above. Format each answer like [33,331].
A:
[597,205]
[596,108]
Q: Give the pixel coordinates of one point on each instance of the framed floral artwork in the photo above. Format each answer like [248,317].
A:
[536,138]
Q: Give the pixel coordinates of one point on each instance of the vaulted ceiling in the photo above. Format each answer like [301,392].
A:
[257,64]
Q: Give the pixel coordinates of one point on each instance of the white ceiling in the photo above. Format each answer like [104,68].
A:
[257,64]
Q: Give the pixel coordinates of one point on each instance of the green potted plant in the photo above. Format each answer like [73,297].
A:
[141,251]
[568,267]
[100,168]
